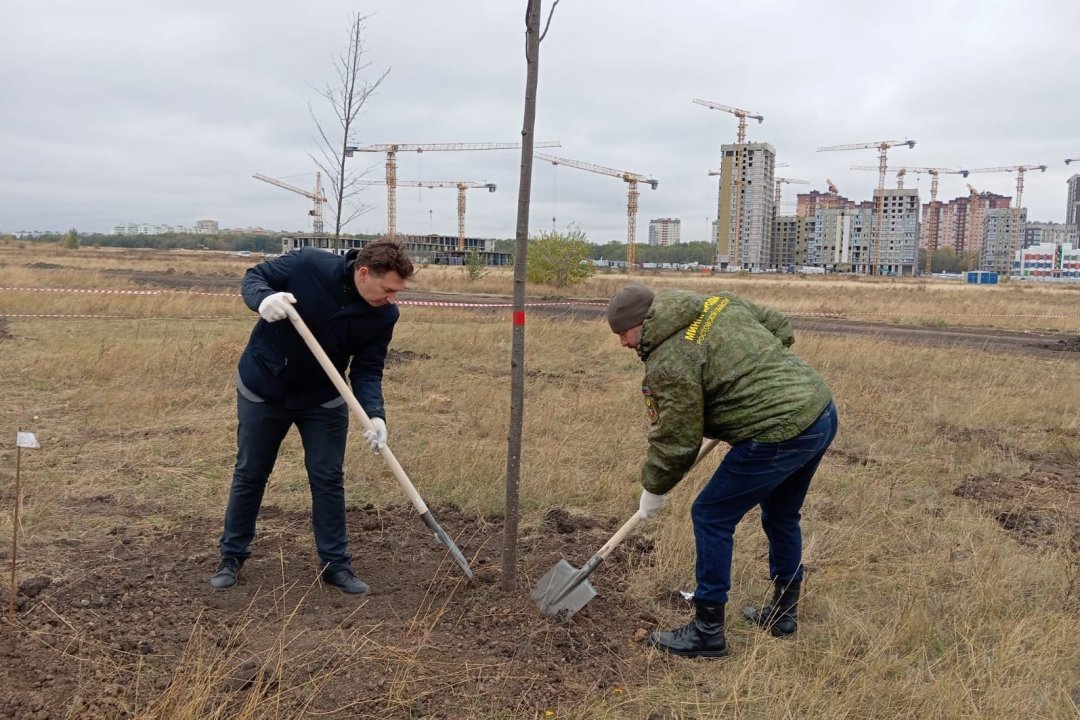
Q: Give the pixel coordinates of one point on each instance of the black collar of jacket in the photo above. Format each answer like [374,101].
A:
[349,291]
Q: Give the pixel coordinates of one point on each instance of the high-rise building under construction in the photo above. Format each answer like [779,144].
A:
[1072,202]
[745,205]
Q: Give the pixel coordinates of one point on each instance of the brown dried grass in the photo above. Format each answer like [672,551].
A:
[918,605]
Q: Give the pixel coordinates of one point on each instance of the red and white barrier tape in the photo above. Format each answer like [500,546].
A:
[439,303]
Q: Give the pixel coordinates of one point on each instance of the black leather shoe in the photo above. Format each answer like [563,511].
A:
[780,616]
[701,637]
[345,581]
[225,575]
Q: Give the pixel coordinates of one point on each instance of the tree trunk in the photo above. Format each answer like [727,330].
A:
[517,351]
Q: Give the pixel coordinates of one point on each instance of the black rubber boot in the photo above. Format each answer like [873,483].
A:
[701,637]
[780,616]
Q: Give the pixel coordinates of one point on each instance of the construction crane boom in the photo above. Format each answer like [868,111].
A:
[776,193]
[1005,168]
[392,149]
[461,185]
[1014,236]
[735,232]
[630,178]
[882,147]
[737,112]
[317,196]
[1071,160]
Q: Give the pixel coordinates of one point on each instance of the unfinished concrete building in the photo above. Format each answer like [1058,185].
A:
[745,205]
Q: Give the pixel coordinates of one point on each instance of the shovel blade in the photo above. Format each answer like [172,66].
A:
[562,592]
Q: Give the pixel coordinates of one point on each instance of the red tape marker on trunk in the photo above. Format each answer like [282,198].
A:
[519,317]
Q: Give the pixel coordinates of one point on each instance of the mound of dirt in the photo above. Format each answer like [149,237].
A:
[124,621]
[1040,509]
[1071,344]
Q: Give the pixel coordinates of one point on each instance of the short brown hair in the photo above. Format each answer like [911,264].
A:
[383,255]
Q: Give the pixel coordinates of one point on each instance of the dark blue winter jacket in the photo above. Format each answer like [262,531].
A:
[276,364]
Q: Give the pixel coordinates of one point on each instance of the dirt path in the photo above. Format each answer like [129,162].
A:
[1046,344]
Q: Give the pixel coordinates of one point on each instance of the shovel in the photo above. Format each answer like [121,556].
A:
[564,589]
[387,455]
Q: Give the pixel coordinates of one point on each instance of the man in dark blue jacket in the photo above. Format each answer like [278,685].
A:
[348,303]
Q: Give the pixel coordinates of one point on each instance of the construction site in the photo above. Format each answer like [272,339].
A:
[828,232]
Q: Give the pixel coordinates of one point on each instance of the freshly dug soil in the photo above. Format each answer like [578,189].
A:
[114,622]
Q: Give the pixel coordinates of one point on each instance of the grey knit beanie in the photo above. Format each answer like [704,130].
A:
[629,307]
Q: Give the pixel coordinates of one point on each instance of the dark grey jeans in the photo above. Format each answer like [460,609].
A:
[260,430]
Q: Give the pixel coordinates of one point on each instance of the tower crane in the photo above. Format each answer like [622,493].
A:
[1071,160]
[317,196]
[461,185]
[933,172]
[630,178]
[780,181]
[882,147]
[735,230]
[392,149]
[1019,170]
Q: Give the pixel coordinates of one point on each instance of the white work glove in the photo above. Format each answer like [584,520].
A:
[650,504]
[276,307]
[376,438]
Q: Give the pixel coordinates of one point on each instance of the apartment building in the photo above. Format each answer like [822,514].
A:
[745,205]
[1037,233]
[961,222]
[788,248]
[999,245]
[665,231]
[1072,201]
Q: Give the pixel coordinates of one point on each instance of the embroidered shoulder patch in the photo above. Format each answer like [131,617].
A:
[651,410]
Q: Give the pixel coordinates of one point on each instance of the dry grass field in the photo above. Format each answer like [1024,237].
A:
[942,533]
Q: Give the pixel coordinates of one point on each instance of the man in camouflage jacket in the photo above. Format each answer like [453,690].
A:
[718,366]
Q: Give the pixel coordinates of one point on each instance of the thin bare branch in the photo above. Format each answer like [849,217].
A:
[548,23]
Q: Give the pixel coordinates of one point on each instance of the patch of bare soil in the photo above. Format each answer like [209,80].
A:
[180,281]
[1039,509]
[114,622]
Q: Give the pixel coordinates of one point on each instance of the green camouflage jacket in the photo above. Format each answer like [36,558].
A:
[718,366]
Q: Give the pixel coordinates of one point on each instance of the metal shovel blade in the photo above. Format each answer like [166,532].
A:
[447,543]
[562,591]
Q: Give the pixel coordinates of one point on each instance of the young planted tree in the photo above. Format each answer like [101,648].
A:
[347,96]
[533,36]
[559,258]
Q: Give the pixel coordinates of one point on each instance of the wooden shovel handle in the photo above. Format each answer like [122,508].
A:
[636,518]
[354,405]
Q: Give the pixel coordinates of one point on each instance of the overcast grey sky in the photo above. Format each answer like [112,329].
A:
[159,112]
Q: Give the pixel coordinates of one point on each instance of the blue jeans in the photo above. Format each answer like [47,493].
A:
[259,433]
[773,475]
